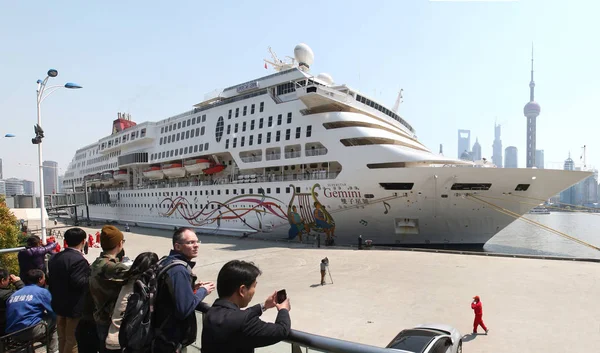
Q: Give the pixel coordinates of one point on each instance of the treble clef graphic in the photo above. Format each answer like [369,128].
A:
[387,207]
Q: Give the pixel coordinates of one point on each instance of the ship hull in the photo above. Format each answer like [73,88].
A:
[430,214]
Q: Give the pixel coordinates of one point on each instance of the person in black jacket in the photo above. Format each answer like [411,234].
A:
[226,328]
[68,283]
[178,296]
[6,290]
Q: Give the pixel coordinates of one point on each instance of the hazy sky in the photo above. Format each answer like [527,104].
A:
[462,65]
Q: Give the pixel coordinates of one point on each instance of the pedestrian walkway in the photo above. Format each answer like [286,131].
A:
[529,305]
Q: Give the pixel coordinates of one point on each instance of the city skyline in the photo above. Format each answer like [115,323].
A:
[460,65]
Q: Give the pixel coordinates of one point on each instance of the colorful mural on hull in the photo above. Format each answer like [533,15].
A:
[306,213]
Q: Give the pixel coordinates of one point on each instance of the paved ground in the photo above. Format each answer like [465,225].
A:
[529,305]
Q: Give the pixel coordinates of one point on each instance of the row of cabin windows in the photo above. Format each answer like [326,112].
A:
[179,151]
[260,123]
[139,133]
[99,168]
[199,131]
[259,191]
[182,124]
[245,110]
[268,137]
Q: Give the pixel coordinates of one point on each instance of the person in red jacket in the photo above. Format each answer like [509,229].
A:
[478,309]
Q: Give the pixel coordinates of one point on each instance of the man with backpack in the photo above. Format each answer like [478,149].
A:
[178,296]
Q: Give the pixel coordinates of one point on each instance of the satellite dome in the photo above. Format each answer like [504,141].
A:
[532,108]
[326,78]
[304,55]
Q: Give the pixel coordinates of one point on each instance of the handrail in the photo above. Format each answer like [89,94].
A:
[9,250]
[332,345]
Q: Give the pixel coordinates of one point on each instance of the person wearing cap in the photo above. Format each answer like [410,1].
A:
[108,275]
[478,309]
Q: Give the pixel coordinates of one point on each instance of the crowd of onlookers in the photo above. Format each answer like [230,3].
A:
[81,307]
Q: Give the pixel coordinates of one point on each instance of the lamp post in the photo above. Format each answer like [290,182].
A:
[39,135]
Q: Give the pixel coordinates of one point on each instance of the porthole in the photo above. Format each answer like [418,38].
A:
[219,130]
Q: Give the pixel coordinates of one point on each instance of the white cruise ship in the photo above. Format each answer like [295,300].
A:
[293,154]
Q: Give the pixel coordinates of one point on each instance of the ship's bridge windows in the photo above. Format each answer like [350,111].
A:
[314,149]
[471,186]
[522,187]
[273,153]
[293,151]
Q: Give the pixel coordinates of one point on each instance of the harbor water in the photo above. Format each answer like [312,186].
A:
[520,237]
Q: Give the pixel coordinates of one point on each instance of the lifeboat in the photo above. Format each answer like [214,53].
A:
[196,166]
[121,175]
[173,170]
[216,168]
[154,172]
[107,178]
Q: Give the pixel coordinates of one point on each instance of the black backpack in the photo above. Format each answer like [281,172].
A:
[137,332]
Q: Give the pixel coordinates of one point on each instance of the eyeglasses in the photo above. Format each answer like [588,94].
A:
[191,242]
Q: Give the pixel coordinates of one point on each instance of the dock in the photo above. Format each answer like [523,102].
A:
[529,305]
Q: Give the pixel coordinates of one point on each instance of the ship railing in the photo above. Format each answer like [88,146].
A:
[316,152]
[248,159]
[273,156]
[294,154]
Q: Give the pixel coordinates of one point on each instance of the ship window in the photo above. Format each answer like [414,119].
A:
[229,114]
[369,196]
[170,127]
[163,154]
[287,190]
[202,131]
[219,131]
[181,150]
[226,191]
[197,131]
[245,110]
[237,112]
[176,152]
[259,139]
[298,131]
[308,130]
[234,142]
[171,154]
[219,193]
[260,123]
[228,129]
[252,109]
[278,136]
[185,150]
[268,137]
[250,140]
[242,191]
[161,141]
[268,190]
[179,125]
[278,190]
[250,191]
[287,134]
[178,136]
[188,122]
[235,128]
[183,123]
[289,118]
[471,186]
[243,126]
[242,142]
[206,146]
[192,131]
[522,187]
[227,144]
[252,125]
[397,186]
[212,192]
[386,165]
[203,117]
[162,130]
[262,107]
[194,121]
[200,147]
[279,119]
[187,134]
[196,148]
[169,139]
[270,123]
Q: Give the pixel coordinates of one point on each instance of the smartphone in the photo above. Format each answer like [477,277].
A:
[281,296]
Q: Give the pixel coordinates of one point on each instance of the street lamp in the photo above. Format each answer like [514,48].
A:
[9,135]
[39,135]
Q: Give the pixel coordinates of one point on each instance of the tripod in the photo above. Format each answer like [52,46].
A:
[328,271]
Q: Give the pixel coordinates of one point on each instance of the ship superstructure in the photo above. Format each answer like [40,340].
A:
[292,154]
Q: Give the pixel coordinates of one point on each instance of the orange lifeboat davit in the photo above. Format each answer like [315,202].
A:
[214,169]
[121,175]
[154,173]
[173,170]
[196,166]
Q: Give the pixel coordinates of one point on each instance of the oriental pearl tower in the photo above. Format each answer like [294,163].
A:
[531,111]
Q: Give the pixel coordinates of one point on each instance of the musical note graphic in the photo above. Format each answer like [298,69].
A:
[387,207]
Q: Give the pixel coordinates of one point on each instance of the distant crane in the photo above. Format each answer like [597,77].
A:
[398,101]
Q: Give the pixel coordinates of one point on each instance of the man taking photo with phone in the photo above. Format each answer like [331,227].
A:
[227,328]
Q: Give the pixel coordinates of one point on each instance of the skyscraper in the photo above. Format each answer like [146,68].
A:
[539,159]
[464,142]
[476,150]
[1,176]
[28,187]
[510,154]
[568,196]
[531,111]
[497,147]
[14,186]
[60,189]
[50,177]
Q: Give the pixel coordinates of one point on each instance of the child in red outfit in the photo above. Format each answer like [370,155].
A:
[478,309]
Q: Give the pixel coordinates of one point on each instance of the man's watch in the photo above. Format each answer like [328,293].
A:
[263,307]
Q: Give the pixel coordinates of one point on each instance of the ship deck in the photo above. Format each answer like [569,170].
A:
[528,304]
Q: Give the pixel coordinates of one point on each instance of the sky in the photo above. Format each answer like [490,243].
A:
[462,65]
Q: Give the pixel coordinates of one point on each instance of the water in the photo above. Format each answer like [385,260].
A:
[523,238]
